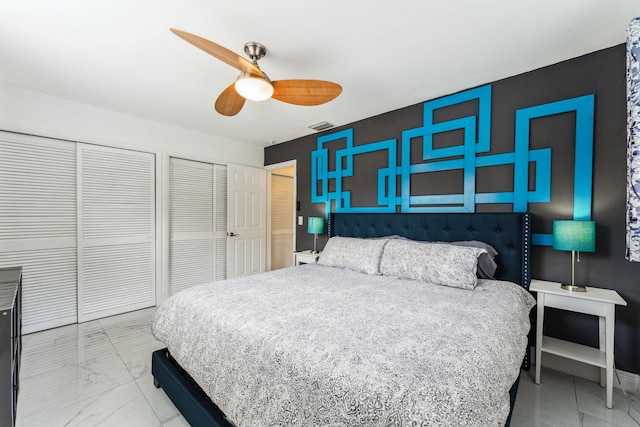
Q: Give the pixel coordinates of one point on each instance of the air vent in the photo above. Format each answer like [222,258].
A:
[320,126]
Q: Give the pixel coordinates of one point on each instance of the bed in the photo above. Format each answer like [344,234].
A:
[324,344]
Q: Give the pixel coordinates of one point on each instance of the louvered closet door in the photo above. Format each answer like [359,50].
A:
[194,224]
[191,224]
[220,220]
[281,221]
[38,225]
[116,231]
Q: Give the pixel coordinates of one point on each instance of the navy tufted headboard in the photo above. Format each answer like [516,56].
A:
[509,233]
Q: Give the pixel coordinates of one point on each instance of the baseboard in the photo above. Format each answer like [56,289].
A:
[630,382]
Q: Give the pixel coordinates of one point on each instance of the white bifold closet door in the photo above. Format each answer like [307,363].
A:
[38,226]
[116,231]
[197,223]
[80,220]
[220,209]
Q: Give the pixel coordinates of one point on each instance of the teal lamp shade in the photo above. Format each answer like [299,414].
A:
[315,225]
[579,236]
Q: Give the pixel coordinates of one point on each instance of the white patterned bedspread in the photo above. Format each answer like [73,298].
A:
[314,345]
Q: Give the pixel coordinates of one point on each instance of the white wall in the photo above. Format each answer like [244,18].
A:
[32,112]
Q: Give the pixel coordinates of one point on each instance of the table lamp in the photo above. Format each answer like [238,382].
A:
[315,226]
[574,236]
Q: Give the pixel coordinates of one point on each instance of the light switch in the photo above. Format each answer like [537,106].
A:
[300,220]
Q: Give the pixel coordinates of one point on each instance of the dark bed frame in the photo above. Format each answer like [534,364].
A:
[508,233]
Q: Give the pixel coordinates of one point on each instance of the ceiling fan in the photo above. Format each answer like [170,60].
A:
[253,83]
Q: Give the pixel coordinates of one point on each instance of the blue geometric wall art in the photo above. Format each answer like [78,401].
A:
[474,141]
[583,162]
[320,173]
[462,157]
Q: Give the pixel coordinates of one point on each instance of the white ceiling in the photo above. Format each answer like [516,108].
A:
[120,54]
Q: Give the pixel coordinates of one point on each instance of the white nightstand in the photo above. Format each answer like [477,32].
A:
[597,302]
[305,257]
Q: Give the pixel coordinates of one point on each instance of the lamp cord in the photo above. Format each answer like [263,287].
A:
[573,266]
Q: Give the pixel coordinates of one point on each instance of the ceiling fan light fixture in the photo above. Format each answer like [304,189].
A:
[254,88]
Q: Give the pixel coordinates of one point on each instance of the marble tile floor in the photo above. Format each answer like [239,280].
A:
[93,374]
[99,374]
[563,400]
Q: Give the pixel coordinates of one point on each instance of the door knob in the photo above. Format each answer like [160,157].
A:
[232,234]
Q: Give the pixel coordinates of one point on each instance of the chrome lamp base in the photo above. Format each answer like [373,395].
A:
[573,288]
[315,250]
[570,286]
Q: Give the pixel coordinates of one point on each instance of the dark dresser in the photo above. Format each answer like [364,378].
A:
[10,342]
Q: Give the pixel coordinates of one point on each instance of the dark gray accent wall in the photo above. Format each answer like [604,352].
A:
[601,73]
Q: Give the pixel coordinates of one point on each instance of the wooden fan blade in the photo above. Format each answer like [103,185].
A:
[305,92]
[222,53]
[229,103]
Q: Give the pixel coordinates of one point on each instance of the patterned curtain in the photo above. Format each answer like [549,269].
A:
[633,141]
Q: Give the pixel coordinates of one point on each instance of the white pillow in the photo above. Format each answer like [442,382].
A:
[486,262]
[438,263]
[361,255]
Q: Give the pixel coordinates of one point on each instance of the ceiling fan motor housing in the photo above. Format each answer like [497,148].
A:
[255,51]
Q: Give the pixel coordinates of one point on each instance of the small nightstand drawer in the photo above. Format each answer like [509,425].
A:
[578,305]
[306,257]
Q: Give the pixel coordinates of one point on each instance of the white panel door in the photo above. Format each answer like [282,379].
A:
[246,220]
[116,231]
[38,225]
